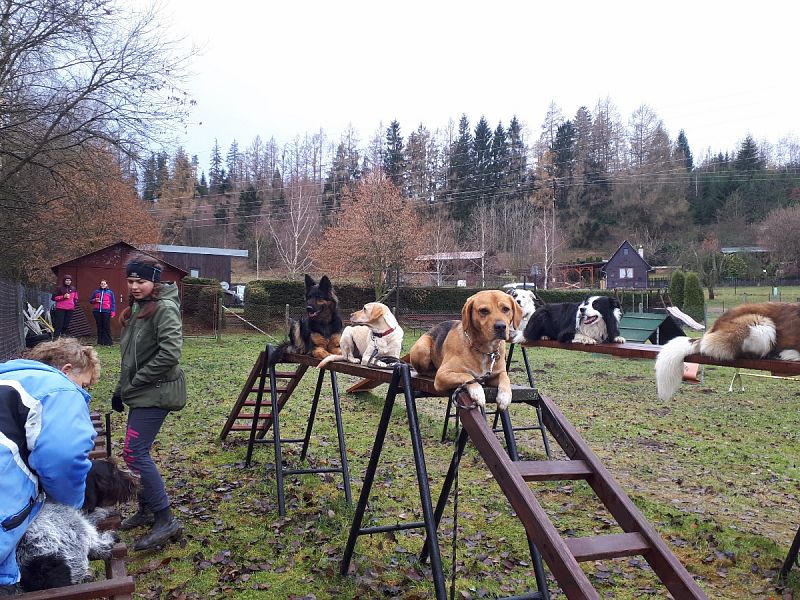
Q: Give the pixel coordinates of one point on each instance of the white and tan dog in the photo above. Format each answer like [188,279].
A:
[374,333]
[528,301]
[768,330]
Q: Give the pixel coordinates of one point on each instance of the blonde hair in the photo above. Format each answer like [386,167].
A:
[67,350]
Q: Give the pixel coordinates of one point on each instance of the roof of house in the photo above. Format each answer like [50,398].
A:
[54,268]
[627,244]
[452,256]
[198,250]
[743,249]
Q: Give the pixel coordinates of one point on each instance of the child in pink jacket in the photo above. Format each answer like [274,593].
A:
[66,299]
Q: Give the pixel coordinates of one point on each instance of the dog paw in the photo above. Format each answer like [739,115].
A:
[545,337]
[582,339]
[477,395]
[503,399]
[619,340]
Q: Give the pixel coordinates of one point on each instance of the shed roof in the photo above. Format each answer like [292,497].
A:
[54,268]
[198,250]
[743,249]
[452,256]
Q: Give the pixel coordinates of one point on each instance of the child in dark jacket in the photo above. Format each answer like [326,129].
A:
[104,308]
[66,299]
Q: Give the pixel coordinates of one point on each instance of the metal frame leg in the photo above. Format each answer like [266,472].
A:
[447,418]
[312,415]
[337,411]
[791,558]
[276,440]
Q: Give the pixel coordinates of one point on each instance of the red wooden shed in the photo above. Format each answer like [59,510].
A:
[107,263]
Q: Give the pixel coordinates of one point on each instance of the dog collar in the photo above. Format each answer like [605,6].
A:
[385,333]
[492,355]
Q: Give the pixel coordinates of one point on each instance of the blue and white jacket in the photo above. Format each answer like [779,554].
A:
[46,435]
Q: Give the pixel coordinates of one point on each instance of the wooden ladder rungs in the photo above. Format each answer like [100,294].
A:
[607,546]
[553,470]
[250,417]
[285,374]
[267,390]
[253,403]
[245,427]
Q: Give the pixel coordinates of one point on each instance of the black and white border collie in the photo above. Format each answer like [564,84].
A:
[595,320]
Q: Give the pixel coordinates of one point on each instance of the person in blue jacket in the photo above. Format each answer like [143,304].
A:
[46,434]
[104,308]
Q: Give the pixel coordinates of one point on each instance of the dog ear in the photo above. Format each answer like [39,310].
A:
[466,314]
[309,283]
[516,315]
[325,284]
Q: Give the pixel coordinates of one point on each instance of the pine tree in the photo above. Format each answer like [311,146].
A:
[563,149]
[202,185]
[676,288]
[517,181]
[483,179]
[149,179]
[215,171]
[459,172]
[693,299]
[501,161]
[749,157]
[249,206]
[235,165]
[682,152]
[394,159]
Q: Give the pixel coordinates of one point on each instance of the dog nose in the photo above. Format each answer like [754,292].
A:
[500,328]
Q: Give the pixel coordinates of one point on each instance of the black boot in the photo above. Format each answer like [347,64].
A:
[165,529]
[143,516]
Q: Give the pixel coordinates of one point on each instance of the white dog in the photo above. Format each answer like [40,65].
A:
[374,333]
[527,301]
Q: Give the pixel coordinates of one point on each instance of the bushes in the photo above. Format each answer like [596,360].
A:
[693,299]
[676,288]
[256,302]
[199,299]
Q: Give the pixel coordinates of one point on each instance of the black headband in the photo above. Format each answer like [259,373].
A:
[138,270]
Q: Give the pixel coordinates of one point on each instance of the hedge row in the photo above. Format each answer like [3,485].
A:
[278,293]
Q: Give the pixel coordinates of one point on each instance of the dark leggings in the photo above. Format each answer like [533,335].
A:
[61,319]
[103,320]
[143,426]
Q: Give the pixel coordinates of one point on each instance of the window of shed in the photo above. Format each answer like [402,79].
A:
[626,273]
[194,272]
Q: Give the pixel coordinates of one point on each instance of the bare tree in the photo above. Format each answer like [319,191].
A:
[376,231]
[294,230]
[778,232]
[77,74]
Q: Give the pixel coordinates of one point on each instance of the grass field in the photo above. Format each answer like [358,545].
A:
[715,473]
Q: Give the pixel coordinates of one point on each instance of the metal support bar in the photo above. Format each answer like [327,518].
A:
[791,558]
[401,381]
[312,415]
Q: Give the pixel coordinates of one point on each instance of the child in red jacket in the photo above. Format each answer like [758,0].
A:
[104,308]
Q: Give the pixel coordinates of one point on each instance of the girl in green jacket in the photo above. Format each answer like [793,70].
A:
[151,384]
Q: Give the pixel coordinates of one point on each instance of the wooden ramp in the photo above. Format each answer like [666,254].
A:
[257,392]
[563,555]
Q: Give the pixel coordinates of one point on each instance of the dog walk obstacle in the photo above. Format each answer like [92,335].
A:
[262,382]
[563,556]
[781,369]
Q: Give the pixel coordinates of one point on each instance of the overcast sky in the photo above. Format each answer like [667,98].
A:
[718,70]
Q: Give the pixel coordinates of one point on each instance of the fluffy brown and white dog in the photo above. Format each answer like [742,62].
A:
[768,330]
[472,348]
[374,333]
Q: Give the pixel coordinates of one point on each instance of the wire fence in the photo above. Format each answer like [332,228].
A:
[13,298]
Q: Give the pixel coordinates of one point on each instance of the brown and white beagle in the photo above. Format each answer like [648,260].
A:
[473,348]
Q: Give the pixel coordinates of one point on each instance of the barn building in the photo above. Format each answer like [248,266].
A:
[197,261]
[106,263]
[627,268]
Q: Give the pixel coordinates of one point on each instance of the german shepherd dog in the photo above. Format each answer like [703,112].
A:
[319,331]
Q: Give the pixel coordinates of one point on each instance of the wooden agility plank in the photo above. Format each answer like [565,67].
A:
[563,555]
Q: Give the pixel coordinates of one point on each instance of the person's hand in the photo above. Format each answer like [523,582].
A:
[66,296]
[116,403]
[113,314]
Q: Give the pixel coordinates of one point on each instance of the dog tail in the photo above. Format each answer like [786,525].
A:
[278,353]
[669,365]
[329,359]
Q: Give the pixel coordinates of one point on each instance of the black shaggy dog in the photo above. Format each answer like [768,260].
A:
[59,543]
[595,320]
[319,331]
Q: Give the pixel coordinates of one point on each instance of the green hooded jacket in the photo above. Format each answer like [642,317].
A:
[151,349]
